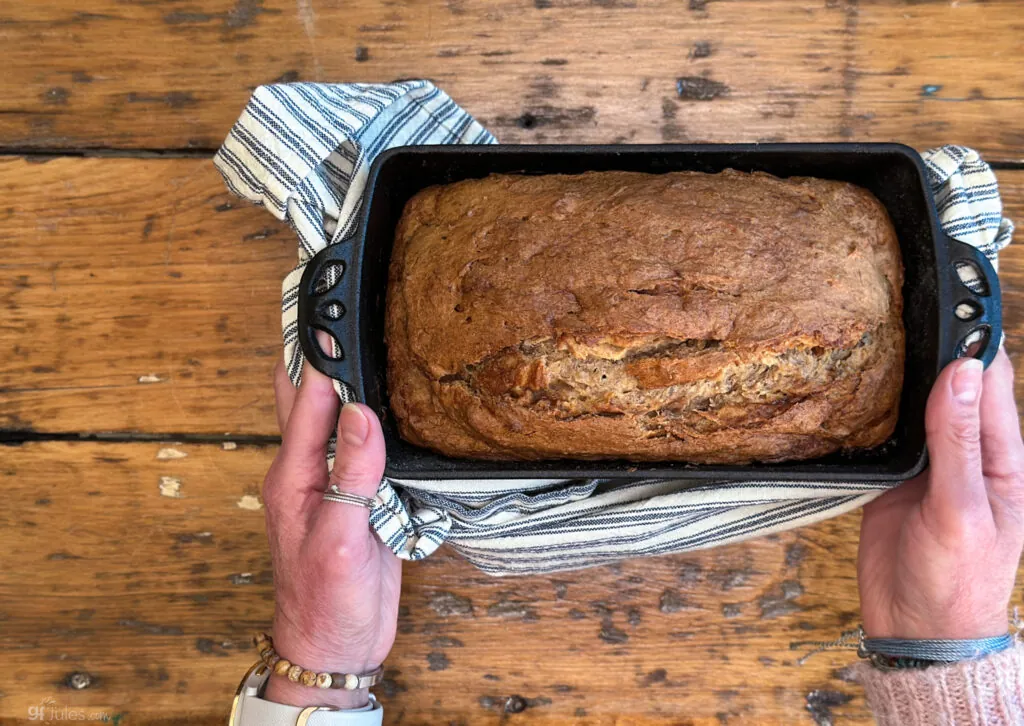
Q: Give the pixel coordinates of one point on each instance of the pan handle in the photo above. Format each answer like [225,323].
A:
[976,299]
[332,308]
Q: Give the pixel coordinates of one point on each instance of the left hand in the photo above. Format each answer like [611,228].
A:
[336,585]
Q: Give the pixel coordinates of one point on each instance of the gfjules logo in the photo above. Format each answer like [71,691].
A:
[49,710]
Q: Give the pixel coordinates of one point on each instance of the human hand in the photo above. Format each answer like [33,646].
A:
[939,554]
[336,585]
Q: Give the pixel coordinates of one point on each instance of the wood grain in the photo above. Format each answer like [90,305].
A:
[1011,277]
[116,270]
[531,70]
[938,73]
[152,599]
[141,298]
[139,295]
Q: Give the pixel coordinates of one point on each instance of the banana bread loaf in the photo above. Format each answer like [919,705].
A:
[710,318]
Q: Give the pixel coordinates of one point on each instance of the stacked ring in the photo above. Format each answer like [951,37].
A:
[333,494]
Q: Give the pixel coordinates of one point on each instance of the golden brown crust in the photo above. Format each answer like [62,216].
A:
[712,318]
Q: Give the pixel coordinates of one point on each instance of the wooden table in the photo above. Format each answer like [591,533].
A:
[141,324]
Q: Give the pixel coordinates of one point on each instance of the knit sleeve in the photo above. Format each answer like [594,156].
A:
[984,692]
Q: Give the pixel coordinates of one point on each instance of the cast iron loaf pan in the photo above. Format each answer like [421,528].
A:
[893,172]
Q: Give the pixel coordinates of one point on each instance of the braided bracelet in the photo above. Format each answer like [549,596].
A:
[297,674]
[897,653]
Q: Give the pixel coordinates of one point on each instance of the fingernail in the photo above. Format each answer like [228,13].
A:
[967,381]
[353,424]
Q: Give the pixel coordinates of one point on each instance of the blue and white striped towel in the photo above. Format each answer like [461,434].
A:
[303,151]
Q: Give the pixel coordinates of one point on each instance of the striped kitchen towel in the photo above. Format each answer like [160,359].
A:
[303,151]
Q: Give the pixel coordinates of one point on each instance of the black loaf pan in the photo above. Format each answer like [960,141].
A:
[894,173]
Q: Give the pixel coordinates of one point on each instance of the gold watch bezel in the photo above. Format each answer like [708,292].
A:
[259,670]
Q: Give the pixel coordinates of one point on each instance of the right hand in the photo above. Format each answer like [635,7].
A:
[939,554]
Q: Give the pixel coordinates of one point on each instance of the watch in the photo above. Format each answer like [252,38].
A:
[249,709]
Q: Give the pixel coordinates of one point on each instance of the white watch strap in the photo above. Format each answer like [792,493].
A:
[251,710]
[254,711]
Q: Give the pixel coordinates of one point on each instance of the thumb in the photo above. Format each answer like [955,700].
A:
[307,430]
[358,469]
[359,456]
[953,425]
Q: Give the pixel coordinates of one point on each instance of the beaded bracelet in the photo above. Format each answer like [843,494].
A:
[297,674]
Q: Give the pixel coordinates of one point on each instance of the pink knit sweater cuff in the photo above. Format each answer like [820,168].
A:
[984,692]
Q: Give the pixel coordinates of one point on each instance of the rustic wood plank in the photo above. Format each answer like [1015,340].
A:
[153,598]
[120,269]
[1011,278]
[915,75]
[532,70]
[140,296]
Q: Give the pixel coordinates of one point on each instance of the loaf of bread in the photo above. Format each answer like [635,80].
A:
[710,318]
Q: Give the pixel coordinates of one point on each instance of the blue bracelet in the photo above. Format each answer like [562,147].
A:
[919,653]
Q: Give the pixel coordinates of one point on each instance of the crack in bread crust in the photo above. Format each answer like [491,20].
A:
[719,318]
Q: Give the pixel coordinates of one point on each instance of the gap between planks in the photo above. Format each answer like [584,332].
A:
[17,438]
[30,154]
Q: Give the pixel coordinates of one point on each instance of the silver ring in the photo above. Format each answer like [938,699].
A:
[333,494]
